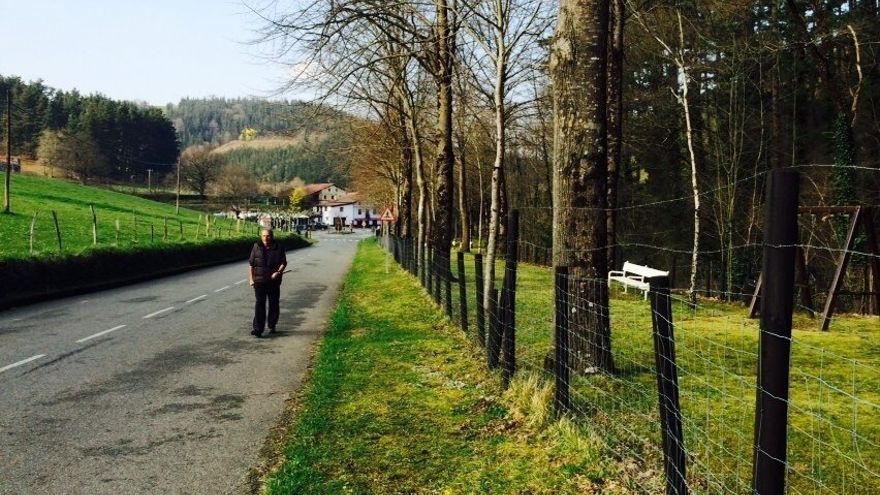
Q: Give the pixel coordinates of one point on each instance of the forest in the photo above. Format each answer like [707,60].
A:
[91,136]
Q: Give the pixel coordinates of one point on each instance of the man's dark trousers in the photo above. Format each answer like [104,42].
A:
[272,292]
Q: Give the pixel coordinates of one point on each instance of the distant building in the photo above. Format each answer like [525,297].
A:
[335,205]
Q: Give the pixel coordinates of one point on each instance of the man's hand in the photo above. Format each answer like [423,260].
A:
[251,282]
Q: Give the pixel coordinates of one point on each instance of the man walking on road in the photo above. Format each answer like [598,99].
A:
[267,264]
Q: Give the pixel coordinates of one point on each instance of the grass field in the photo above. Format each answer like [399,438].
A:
[834,432]
[140,221]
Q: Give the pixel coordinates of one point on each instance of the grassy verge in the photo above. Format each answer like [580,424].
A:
[399,403]
[140,221]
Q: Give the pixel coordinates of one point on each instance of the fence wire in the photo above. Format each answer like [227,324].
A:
[615,387]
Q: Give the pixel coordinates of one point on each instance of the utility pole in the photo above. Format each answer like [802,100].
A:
[149,180]
[177,204]
[6,208]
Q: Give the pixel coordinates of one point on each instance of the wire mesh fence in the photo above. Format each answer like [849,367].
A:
[729,385]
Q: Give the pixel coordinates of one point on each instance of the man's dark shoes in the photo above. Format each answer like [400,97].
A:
[271,329]
[256,333]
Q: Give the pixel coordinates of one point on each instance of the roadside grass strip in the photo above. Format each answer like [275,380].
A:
[399,403]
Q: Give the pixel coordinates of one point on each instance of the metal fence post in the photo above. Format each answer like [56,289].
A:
[561,402]
[774,354]
[667,387]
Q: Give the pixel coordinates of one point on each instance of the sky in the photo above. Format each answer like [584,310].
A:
[154,51]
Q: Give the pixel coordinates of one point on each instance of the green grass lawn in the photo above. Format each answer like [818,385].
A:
[834,432]
[140,221]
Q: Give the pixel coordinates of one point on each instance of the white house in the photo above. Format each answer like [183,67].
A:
[335,203]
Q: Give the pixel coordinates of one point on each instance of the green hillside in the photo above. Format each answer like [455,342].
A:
[140,220]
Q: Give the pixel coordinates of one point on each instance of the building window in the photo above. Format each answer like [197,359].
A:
[340,208]
[360,212]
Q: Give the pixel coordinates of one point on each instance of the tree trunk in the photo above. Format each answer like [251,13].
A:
[683,100]
[495,197]
[404,216]
[578,68]
[615,121]
[418,165]
[441,230]
[464,216]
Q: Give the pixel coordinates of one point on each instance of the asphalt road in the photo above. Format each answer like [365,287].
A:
[156,387]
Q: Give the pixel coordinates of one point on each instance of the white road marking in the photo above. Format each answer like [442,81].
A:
[90,337]
[241,281]
[221,289]
[23,361]
[196,299]
[159,312]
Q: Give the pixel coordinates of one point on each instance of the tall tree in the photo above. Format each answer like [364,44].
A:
[507,32]
[578,66]
[615,119]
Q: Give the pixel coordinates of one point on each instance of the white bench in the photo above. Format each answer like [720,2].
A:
[633,275]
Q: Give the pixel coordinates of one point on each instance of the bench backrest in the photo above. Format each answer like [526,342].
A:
[644,271]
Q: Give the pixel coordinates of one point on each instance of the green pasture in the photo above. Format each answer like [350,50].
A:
[139,220]
[834,408]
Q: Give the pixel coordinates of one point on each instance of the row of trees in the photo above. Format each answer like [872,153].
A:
[87,135]
[625,104]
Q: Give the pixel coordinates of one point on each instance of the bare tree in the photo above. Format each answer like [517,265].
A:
[678,55]
[199,168]
[506,31]
[320,38]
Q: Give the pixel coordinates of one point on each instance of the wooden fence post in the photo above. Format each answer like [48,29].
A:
[667,387]
[462,293]
[508,343]
[135,235]
[774,351]
[94,226]
[429,269]
[561,403]
[446,270]
[480,310]
[116,241]
[57,230]
[33,227]
[493,344]
[165,226]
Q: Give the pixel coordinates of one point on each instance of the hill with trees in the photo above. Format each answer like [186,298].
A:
[88,136]
[276,141]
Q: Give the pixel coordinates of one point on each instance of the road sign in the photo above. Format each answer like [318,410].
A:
[387,216]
